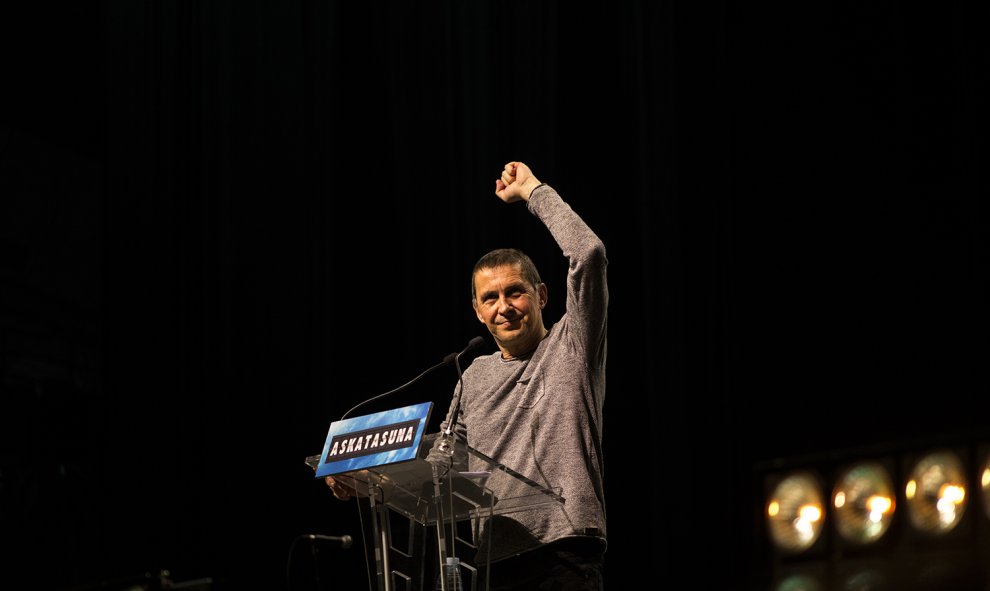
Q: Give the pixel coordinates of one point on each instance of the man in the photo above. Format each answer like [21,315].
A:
[535,405]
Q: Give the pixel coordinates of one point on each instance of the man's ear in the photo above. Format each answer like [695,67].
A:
[474,304]
[541,290]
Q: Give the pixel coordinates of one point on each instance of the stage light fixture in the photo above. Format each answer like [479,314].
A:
[863,500]
[899,518]
[871,575]
[985,483]
[935,492]
[800,582]
[795,512]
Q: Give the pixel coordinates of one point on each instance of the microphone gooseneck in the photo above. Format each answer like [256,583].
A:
[345,540]
[475,342]
[450,357]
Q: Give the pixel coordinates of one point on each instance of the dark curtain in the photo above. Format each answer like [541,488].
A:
[226,223]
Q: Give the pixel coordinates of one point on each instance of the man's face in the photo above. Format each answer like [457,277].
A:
[510,307]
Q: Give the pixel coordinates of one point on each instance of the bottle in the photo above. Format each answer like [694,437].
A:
[452,575]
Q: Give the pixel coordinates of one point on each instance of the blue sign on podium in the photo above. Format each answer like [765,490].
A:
[386,437]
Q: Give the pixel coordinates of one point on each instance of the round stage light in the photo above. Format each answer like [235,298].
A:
[795,512]
[863,499]
[864,578]
[985,483]
[936,492]
[800,583]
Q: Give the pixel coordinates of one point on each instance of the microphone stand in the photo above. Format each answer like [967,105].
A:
[446,444]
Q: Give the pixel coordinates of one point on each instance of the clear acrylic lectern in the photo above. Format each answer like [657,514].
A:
[417,513]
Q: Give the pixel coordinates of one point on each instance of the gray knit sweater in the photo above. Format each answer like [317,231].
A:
[541,415]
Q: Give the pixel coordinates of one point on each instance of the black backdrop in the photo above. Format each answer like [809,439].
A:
[226,223]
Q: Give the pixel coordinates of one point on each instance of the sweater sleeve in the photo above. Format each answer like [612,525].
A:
[587,287]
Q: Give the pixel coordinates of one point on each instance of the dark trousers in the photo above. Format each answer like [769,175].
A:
[565,565]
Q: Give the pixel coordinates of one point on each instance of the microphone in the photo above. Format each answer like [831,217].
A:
[473,343]
[455,356]
[449,358]
[345,541]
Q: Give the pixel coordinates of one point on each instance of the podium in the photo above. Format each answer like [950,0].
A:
[417,513]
